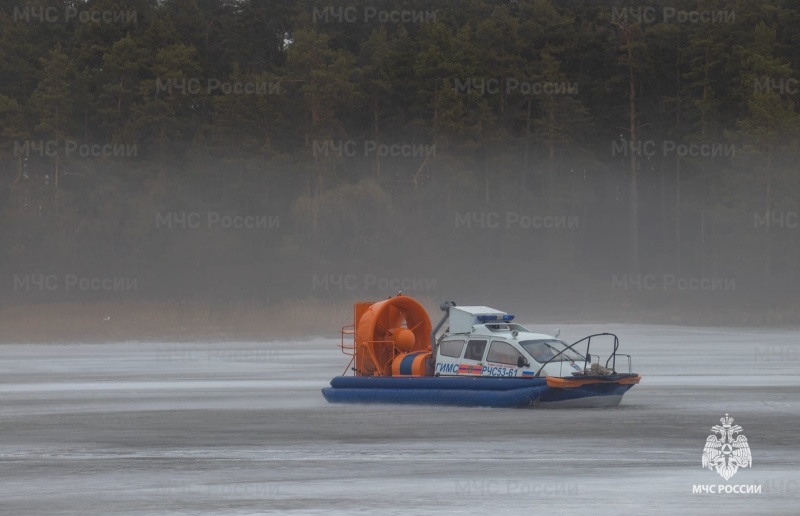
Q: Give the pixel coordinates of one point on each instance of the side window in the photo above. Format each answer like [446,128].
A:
[475,350]
[503,353]
[451,348]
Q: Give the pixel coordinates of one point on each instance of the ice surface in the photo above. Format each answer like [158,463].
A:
[241,428]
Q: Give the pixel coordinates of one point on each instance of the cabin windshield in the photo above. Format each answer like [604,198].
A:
[544,350]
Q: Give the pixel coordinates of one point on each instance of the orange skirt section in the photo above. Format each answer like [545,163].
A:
[411,364]
[569,383]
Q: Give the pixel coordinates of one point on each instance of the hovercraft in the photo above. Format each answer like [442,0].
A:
[482,359]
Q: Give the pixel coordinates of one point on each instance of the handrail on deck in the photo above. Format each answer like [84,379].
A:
[587,356]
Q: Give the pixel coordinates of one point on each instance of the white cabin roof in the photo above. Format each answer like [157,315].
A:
[463,318]
[477,310]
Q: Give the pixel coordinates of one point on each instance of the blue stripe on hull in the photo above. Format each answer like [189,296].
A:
[442,382]
[453,397]
[461,391]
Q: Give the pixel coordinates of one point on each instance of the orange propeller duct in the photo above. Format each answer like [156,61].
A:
[386,329]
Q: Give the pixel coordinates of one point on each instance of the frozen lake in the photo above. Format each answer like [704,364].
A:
[241,428]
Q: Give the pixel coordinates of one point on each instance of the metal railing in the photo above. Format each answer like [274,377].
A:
[349,349]
[588,356]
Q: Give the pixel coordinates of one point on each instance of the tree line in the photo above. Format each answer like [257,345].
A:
[248,149]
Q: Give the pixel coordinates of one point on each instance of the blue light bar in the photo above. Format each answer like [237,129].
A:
[487,317]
